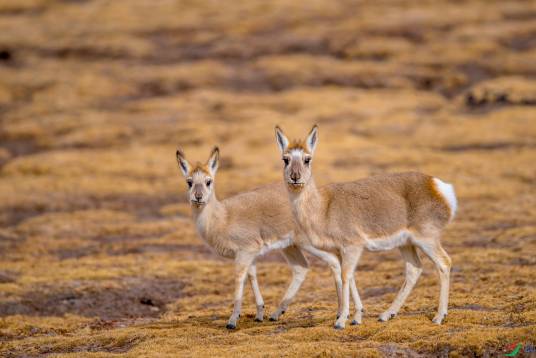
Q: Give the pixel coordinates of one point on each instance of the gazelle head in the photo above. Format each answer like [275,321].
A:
[297,157]
[199,178]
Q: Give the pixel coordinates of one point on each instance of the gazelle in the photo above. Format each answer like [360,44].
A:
[246,226]
[405,211]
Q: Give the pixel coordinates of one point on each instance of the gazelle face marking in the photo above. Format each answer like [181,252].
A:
[200,186]
[297,158]
[199,179]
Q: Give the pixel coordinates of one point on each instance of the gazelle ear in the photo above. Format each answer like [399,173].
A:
[183,163]
[213,161]
[312,139]
[281,139]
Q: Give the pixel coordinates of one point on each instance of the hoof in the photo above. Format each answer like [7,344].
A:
[439,319]
[273,319]
[230,326]
[384,317]
[338,326]
[355,323]
[258,319]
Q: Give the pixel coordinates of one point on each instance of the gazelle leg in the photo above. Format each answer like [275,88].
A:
[242,263]
[252,273]
[350,257]
[358,314]
[413,272]
[442,262]
[299,266]
[335,266]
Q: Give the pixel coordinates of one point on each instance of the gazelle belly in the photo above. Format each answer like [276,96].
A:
[400,238]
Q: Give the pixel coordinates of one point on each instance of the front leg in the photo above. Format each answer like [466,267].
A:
[242,263]
[259,302]
[350,256]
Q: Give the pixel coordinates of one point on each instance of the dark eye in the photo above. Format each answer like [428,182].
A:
[286,160]
[189,182]
[209,181]
[307,160]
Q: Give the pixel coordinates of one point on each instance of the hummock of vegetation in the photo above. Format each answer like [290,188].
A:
[98,253]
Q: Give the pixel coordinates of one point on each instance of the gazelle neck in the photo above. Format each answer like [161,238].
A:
[308,200]
[208,215]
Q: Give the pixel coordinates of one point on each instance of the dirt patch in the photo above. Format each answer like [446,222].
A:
[378,291]
[135,297]
[145,207]
[196,250]
[491,146]
[7,277]
[393,350]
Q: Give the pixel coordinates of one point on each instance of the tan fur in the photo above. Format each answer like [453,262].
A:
[402,211]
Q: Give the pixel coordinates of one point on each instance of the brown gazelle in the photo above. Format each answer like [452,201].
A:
[405,211]
[242,228]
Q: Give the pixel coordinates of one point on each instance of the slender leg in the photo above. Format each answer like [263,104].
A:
[358,314]
[442,262]
[350,257]
[242,263]
[335,266]
[299,266]
[413,271]
[252,273]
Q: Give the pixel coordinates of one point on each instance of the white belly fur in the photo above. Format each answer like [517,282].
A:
[276,245]
[398,239]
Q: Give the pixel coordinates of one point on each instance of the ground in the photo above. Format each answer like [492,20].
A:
[98,253]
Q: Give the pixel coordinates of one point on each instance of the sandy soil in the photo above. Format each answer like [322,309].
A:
[98,254]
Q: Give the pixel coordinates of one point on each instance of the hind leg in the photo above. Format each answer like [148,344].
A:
[299,266]
[440,258]
[334,264]
[413,272]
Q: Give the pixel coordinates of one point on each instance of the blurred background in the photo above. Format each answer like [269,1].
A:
[98,253]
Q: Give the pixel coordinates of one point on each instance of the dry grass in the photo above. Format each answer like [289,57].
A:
[97,251]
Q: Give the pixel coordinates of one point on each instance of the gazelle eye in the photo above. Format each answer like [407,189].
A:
[189,182]
[286,160]
[307,160]
[209,181]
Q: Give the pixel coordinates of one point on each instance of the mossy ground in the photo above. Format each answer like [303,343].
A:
[98,254]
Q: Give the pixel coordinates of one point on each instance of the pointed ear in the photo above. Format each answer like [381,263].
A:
[281,139]
[183,163]
[312,139]
[213,161]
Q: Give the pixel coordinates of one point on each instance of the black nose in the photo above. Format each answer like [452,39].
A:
[295,176]
[198,196]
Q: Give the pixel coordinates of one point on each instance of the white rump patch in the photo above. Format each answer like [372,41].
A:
[276,245]
[447,190]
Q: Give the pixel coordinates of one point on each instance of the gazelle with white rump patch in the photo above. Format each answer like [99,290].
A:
[242,228]
[405,211]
